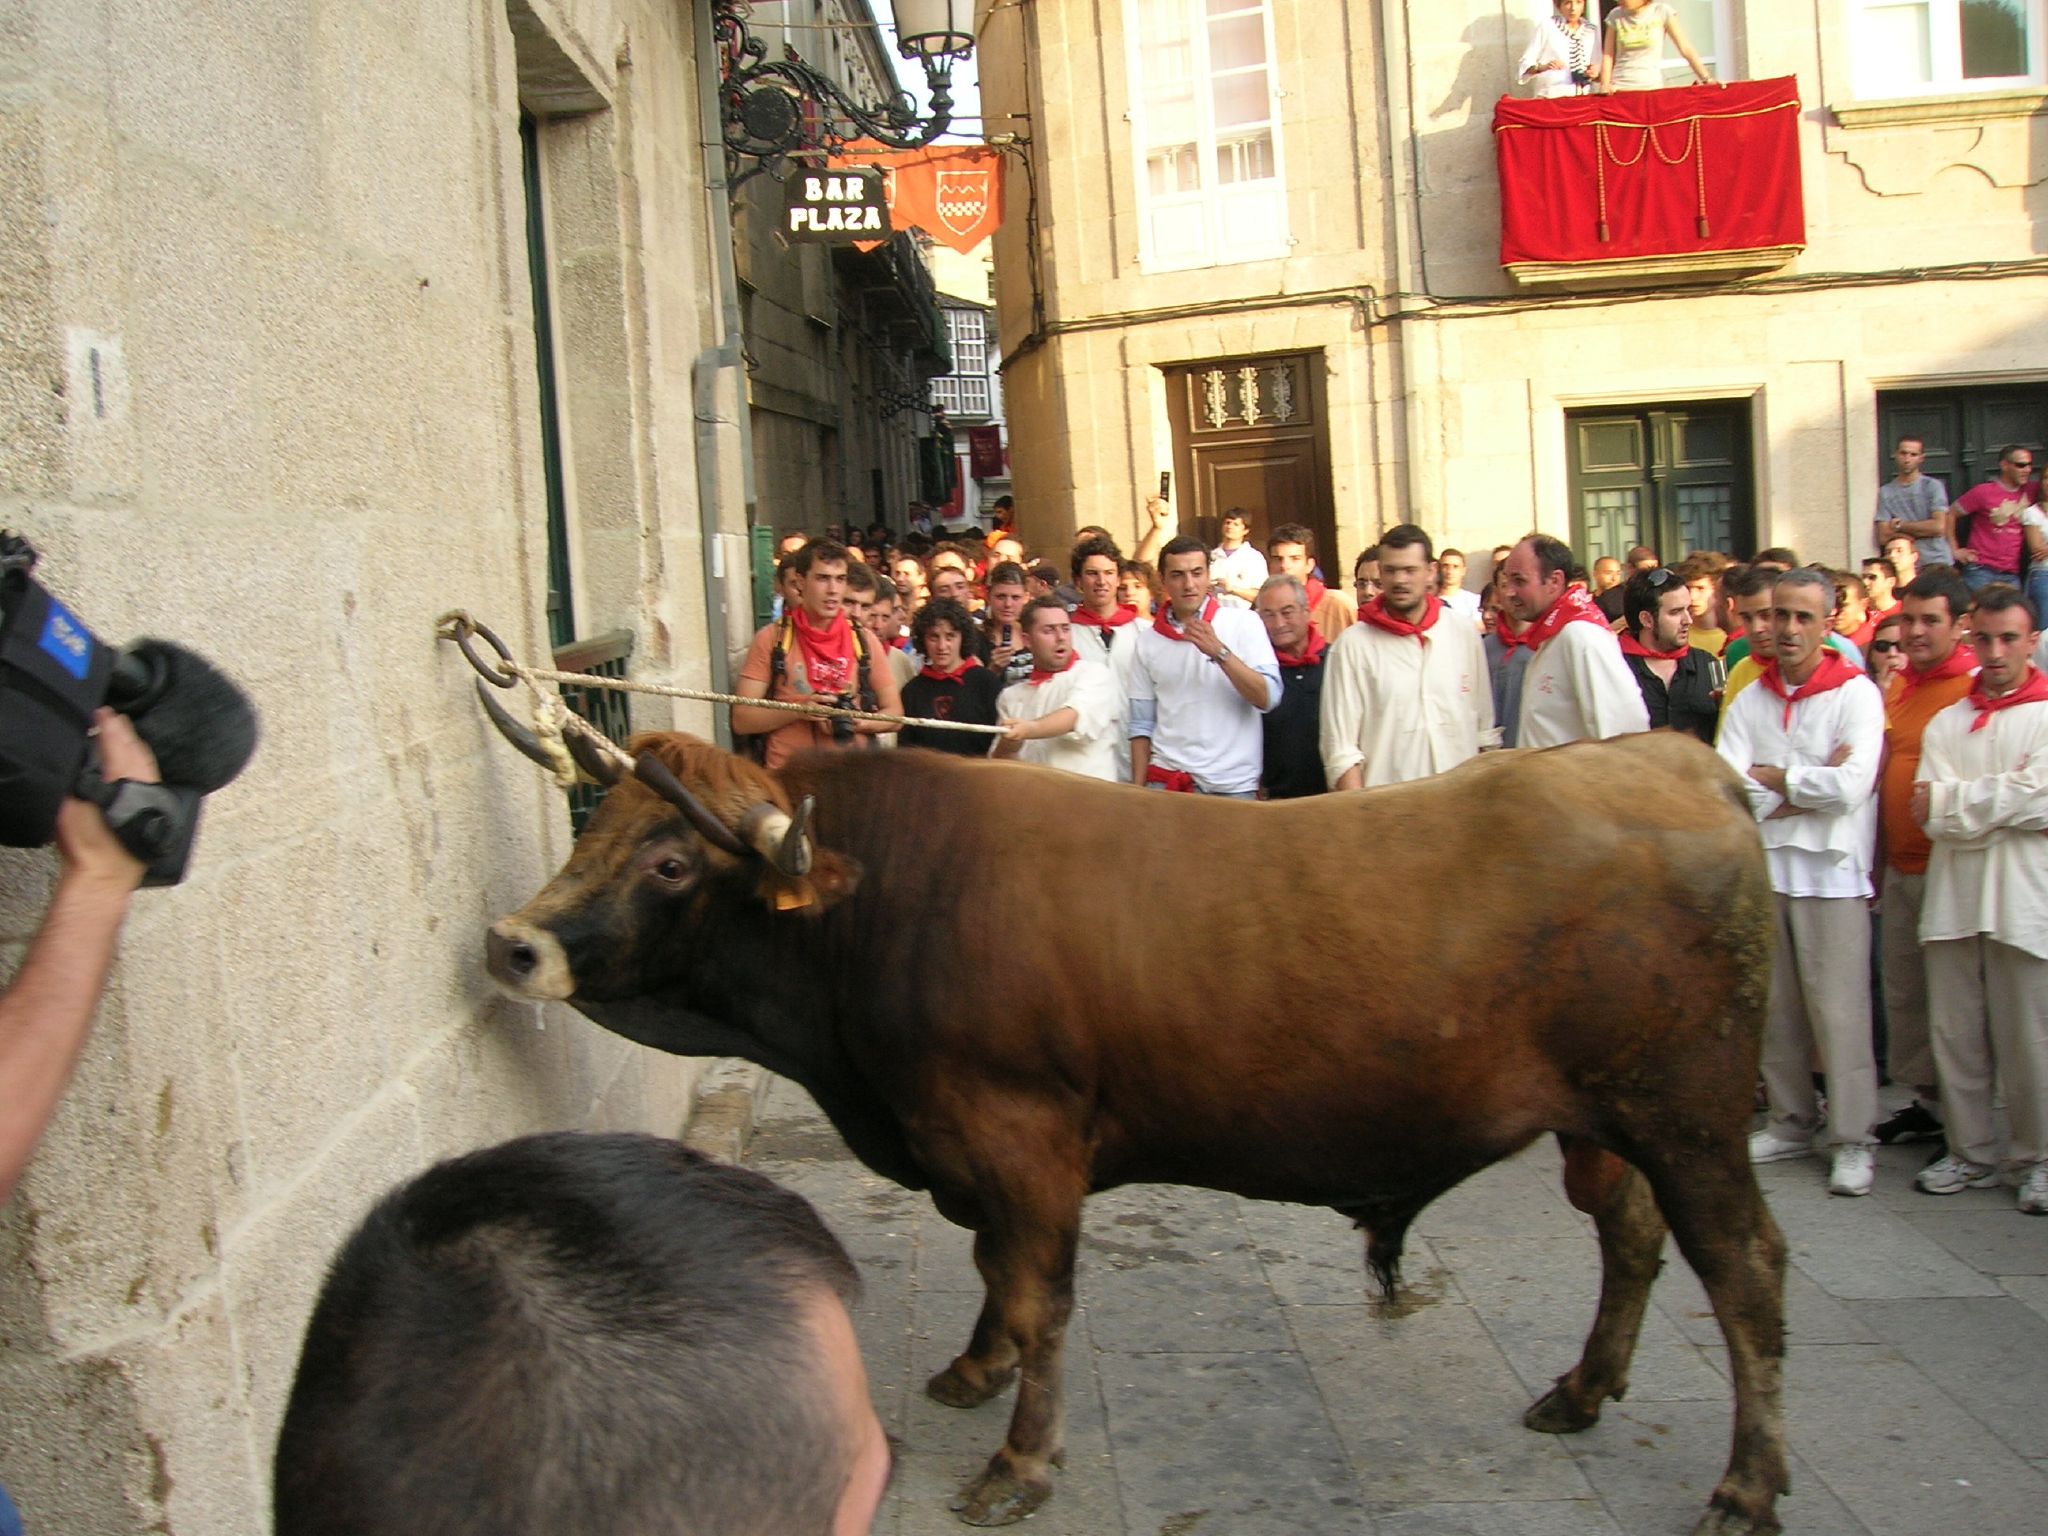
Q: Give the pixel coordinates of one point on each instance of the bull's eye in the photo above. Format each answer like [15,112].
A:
[670,870]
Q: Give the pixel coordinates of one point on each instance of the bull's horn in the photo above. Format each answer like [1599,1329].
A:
[652,772]
[779,837]
[600,765]
[512,730]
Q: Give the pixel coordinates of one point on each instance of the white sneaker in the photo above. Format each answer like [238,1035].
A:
[1766,1148]
[1854,1172]
[1951,1175]
[2034,1193]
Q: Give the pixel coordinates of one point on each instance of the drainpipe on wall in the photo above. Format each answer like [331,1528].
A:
[719,385]
[1405,179]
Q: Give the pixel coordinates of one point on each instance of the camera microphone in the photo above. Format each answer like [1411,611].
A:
[200,725]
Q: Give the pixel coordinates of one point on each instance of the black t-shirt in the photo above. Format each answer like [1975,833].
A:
[1294,748]
[971,697]
[1688,703]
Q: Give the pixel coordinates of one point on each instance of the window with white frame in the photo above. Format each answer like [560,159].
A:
[965,391]
[1933,47]
[1205,117]
[1708,25]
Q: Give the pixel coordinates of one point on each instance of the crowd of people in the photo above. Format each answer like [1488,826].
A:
[1882,720]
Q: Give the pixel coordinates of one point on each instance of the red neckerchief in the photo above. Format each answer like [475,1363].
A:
[1631,646]
[1311,653]
[1170,779]
[1163,620]
[1503,631]
[1117,620]
[1959,662]
[2033,691]
[1039,679]
[900,643]
[1377,614]
[830,662]
[953,676]
[1316,592]
[1831,674]
[1572,608]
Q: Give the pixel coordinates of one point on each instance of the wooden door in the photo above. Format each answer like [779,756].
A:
[1252,432]
[1675,478]
[1963,429]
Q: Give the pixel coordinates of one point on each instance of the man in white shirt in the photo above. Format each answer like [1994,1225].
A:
[1807,738]
[1982,794]
[1105,627]
[1406,692]
[1451,588]
[1200,679]
[1236,570]
[1576,686]
[1066,713]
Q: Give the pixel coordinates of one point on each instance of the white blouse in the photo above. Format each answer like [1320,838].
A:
[1573,47]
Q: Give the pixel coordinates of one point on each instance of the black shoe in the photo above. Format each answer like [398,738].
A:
[1913,1123]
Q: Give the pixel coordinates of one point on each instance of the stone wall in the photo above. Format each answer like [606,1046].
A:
[268,387]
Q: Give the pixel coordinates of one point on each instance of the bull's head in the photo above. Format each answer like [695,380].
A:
[688,825]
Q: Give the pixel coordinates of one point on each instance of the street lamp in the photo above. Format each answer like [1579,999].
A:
[764,101]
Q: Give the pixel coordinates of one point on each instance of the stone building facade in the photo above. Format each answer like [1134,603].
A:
[1307,189]
[271,374]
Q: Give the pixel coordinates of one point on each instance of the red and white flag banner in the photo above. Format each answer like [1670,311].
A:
[953,192]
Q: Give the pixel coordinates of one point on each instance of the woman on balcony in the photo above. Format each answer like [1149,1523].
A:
[1563,58]
[1633,55]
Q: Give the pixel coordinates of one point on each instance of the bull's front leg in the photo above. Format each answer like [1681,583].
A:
[1026,1256]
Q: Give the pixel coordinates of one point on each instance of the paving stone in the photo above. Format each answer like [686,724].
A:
[1655,1465]
[1859,1249]
[1989,1354]
[1310,1254]
[1573,1517]
[1426,1407]
[2032,1290]
[1521,1197]
[1998,1240]
[1237,1445]
[1172,1271]
[1812,1316]
[1898,1452]
[1537,1297]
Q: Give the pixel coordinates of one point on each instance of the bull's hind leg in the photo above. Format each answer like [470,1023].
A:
[1025,1251]
[1631,1239]
[1726,1233]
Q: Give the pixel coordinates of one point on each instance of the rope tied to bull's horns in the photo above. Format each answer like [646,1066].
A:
[554,720]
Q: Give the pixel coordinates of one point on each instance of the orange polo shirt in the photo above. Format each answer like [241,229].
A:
[1905,719]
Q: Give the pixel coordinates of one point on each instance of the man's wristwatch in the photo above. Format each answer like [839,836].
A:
[1222,656]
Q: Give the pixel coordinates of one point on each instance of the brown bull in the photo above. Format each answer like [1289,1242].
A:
[1573,942]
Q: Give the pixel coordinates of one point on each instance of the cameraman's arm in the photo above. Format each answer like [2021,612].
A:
[46,1012]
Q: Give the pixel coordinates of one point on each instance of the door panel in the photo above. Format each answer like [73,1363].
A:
[1252,433]
[1963,429]
[1675,478]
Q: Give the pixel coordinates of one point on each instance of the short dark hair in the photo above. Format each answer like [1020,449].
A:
[2000,596]
[1181,544]
[1847,582]
[1145,571]
[1740,581]
[1293,533]
[827,550]
[1908,437]
[1643,591]
[1942,581]
[1090,531]
[1777,554]
[1407,536]
[1885,561]
[1100,544]
[1008,574]
[860,576]
[1239,513]
[942,610]
[1553,556]
[2003,454]
[1370,555]
[1442,554]
[1039,605]
[628,1324]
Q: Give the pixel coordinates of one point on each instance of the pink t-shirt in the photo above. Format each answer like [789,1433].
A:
[1995,510]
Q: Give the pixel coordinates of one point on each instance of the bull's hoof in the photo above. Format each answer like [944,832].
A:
[1554,1413]
[1001,1495]
[1720,1520]
[957,1388]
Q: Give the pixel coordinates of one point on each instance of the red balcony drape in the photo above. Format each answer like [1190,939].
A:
[1650,173]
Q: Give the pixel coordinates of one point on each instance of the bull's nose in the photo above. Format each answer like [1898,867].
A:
[510,955]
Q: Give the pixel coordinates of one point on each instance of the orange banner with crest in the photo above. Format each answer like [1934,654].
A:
[953,192]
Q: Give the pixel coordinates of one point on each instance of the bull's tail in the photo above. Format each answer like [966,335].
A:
[1385,1225]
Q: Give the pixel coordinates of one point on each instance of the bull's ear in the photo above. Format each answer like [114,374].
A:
[833,878]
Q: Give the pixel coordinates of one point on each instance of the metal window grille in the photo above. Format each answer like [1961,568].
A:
[610,711]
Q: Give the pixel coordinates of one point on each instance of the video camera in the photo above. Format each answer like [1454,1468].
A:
[54,673]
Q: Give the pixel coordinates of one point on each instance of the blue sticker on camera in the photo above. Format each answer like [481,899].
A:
[67,641]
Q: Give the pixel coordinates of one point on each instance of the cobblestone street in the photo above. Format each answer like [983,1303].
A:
[1228,1375]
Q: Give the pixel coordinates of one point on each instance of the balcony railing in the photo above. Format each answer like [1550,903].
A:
[1692,185]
